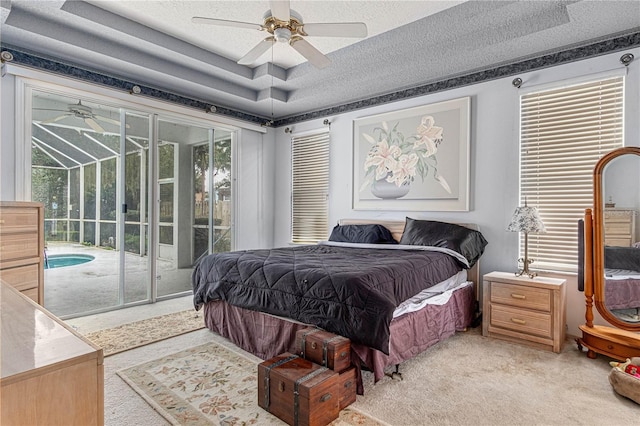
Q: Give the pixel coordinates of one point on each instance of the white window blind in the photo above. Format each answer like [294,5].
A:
[310,188]
[563,133]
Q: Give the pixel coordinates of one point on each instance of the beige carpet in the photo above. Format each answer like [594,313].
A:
[140,333]
[466,380]
[210,385]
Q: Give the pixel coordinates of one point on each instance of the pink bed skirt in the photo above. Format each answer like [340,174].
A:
[622,294]
[267,336]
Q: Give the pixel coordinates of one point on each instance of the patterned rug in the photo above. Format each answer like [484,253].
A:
[210,385]
[140,333]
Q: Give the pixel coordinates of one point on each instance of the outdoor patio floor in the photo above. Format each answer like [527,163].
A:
[73,290]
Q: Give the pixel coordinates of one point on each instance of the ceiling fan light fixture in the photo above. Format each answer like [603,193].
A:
[282,35]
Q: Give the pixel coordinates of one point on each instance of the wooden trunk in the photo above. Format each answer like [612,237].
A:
[347,387]
[298,391]
[324,348]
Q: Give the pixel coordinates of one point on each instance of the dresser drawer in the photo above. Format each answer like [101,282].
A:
[617,241]
[617,228]
[521,296]
[529,322]
[23,277]
[19,246]
[18,219]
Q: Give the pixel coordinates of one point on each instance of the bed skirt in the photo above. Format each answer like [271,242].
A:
[622,294]
[267,336]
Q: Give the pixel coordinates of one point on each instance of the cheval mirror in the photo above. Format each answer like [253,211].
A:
[612,257]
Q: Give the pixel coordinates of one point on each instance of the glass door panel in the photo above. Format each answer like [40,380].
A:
[222,240]
[176,240]
[134,213]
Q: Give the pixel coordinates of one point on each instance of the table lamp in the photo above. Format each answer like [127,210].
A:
[526,219]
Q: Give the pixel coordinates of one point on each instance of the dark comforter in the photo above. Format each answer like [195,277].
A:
[348,291]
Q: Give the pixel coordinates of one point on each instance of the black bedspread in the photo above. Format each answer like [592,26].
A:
[348,291]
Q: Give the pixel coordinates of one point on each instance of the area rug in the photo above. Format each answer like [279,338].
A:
[211,385]
[140,333]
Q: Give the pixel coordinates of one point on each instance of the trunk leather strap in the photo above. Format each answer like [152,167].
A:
[267,380]
[325,345]
[304,341]
[296,393]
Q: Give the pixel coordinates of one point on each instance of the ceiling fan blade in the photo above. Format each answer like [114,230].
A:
[53,120]
[280,9]
[107,120]
[313,55]
[111,120]
[94,125]
[337,29]
[225,23]
[257,51]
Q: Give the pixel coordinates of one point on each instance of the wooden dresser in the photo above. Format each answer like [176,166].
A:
[22,247]
[619,227]
[524,310]
[50,375]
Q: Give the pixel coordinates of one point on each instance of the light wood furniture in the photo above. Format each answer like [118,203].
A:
[623,339]
[50,375]
[22,247]
[619,227]
[524,310]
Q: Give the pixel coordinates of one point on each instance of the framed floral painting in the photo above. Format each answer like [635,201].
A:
[415,159]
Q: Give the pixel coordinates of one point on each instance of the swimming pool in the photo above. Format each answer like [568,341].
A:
[62,260]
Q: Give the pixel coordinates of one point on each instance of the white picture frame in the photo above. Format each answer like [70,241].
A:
[415,159]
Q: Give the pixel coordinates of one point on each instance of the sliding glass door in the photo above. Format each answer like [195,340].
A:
[132,201]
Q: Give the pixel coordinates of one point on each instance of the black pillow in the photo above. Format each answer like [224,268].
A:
[372,234]
[627,258]
[467,242]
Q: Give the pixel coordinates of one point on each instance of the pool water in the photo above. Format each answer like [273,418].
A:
[62,260]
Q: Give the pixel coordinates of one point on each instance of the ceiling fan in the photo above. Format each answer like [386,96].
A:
[286,26]
[82,112]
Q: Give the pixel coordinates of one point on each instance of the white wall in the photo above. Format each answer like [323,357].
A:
[494,162]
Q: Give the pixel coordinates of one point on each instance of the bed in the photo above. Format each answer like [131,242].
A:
[360,289]
[622,282]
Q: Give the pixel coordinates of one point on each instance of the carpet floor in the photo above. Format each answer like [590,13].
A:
[210,385]
[466,380]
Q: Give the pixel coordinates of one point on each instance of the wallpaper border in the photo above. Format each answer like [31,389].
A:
[617,43]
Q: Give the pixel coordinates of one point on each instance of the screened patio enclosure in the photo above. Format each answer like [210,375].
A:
[139,205]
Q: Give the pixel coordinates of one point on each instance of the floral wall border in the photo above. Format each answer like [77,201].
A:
[602,47]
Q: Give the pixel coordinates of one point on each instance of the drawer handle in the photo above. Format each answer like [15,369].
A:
[281,386]
[518,296]
[348,384]
[518,321]
[314,345]
[325,397]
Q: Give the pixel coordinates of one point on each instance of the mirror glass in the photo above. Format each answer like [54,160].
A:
[621,235]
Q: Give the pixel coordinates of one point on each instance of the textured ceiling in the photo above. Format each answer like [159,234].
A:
[410,43]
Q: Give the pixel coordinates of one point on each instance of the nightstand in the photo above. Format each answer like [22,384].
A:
[525,310]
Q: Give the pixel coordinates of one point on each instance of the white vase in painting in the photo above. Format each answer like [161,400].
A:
[386,190]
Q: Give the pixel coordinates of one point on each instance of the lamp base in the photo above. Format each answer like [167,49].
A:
[526,271]
[525,268]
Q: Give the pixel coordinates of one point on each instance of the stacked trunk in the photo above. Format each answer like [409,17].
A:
[309,388]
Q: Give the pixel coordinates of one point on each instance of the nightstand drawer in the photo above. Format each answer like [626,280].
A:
[521,296]
[534,323]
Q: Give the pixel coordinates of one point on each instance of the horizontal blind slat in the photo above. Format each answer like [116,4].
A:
[563,133]
[309,188]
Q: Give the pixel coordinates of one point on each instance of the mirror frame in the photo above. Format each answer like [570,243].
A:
[598,238]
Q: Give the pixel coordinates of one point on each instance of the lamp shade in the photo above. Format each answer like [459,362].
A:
[526,219]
